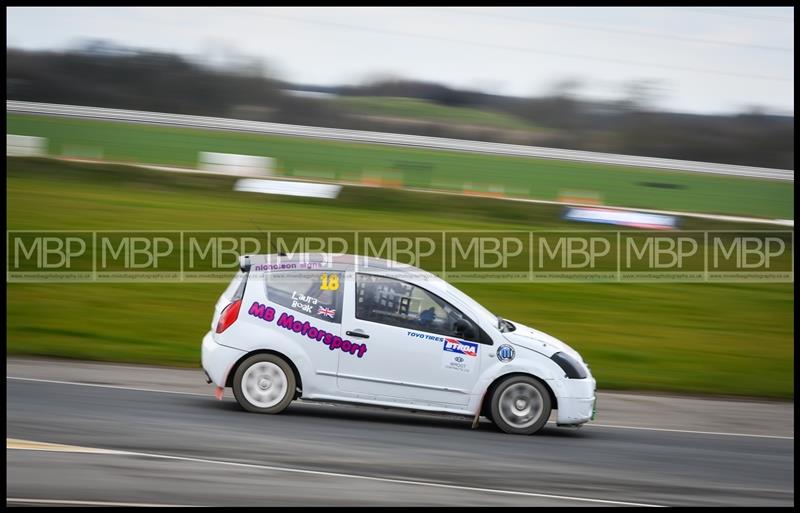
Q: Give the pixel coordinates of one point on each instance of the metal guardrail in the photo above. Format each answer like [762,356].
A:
[235,125]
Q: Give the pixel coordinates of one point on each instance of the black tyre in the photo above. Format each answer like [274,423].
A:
[520,405]
[486,410]
[264,383]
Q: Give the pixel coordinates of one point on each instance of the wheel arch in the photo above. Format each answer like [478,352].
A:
[298,378]
[487,397]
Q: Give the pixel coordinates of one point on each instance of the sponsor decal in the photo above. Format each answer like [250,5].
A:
[505,353]
[459,355]
[460,346]
[287,321]
[425,336]
[292,265]
[262,311]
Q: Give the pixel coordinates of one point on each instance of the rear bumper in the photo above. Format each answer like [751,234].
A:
[217,359]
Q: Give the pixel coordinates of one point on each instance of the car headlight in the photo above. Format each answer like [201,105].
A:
[569,365]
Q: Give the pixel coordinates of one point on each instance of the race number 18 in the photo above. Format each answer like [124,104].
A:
[329,282]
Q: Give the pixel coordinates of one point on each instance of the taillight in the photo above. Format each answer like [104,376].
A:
[228,315]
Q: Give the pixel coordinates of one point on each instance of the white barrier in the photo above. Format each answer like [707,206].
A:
[236,165]
[236,125]
[25,146]
[286,188]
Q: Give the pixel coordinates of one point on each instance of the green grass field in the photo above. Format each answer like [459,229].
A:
[695,338]
[527,177]
[422,110]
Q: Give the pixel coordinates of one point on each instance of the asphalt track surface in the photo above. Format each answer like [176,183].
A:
[156,436]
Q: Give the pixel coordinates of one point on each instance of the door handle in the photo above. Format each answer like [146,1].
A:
[357,333]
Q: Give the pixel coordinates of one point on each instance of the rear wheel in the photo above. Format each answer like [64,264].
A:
[264,383]
[520,405]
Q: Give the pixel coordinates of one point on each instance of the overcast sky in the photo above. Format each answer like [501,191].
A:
[708,60]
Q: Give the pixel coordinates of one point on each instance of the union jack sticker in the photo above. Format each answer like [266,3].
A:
[328,312]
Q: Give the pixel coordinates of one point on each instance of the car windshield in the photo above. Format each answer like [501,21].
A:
[503,325]
[478,309]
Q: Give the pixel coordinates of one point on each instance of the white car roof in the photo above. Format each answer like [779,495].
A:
[400,271]
[310,261]
[329,261]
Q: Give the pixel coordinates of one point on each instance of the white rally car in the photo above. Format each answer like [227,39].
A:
[376,332]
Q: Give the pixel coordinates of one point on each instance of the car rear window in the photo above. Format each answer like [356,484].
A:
[317,294]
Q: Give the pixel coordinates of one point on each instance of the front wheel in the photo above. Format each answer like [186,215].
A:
[520,405]
[264,383]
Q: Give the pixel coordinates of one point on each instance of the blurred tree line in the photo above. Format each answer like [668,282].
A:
[104,75]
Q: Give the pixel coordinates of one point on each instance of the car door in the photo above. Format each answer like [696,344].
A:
[414,353]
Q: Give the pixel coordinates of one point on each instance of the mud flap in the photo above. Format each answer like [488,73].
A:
[218,392]
[477,418]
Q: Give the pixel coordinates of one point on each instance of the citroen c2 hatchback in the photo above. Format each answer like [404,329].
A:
[376,332]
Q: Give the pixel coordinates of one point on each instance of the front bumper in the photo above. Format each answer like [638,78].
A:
[217,359]
[576,401]
[573,411]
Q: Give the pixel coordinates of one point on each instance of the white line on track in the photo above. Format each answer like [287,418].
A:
[612,426]
[98,385]
[411,482]
[94,503]
[690,431]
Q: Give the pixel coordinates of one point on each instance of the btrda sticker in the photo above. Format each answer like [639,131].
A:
[459,355]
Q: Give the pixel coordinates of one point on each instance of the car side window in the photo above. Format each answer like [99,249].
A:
[317,294]
[399,303]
